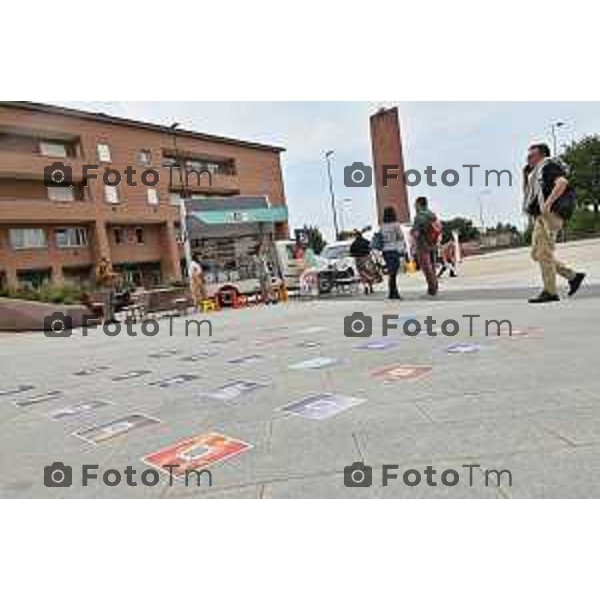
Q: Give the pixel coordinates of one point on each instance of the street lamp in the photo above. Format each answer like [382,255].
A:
[187,249]
[482,192]
[328,156]
[173,128]
[553,127]
[344,222]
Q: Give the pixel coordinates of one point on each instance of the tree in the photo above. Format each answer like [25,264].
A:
[467,232]
[583,159]
[316,241]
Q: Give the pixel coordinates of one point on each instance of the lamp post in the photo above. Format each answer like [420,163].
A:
[596,183]
[187,249]
[173,128]
[328,156]
[483,192]
[554,127]
[344,221]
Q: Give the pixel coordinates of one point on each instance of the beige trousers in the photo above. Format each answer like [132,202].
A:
[543,242]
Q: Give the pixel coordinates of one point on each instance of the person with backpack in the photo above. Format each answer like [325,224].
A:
[549,202]
[391,240]
[426,232]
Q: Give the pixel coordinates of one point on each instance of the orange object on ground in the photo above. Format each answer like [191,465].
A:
[209,305]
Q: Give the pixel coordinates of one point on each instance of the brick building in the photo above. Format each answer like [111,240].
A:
[386,144]
[58,234]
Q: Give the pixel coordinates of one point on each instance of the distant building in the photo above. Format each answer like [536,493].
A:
[493,239]
[58,234]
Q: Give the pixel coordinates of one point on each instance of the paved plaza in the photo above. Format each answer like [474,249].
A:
[303,401]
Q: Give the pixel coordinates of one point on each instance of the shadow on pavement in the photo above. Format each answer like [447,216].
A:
[468,294]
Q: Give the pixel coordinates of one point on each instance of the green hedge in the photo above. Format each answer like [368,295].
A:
[584,221]
[53,294]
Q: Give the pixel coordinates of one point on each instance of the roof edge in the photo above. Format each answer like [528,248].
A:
[104,118]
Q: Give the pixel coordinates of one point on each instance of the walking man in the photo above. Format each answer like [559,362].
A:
[426,234]
[549,202]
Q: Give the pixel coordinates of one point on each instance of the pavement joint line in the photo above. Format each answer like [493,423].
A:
[559,436]
[498,489]
[527,413]
[267,482]
[423,411]
[358,448]
[461,458]
[269,437]
[419,462]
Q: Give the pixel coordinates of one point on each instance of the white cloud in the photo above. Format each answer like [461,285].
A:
[441,134]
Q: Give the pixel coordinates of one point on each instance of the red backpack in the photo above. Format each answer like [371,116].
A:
[434,231]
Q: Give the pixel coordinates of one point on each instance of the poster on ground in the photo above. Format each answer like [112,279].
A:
[108,431]
[198,452]
[321,406]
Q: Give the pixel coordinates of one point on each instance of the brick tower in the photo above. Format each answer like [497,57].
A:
[386,146]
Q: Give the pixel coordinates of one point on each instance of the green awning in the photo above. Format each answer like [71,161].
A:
[273,214]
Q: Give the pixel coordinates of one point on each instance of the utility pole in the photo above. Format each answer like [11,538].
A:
[328,156]
[553,127]
[187,249]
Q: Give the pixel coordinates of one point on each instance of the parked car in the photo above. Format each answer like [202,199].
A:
[340,251]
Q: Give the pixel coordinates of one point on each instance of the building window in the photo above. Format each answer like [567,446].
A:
[72,237]
[53,149]
[139,235]
[104,153]
[152,196]
[145,157]
[169,161]
[119,235]
[27,238]
[111,194]
[174,199]
[215,166]
[61,194]
[34,279]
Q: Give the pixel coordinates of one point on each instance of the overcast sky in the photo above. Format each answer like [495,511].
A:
[444,135]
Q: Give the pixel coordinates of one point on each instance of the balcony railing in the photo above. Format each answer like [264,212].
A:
[31,166]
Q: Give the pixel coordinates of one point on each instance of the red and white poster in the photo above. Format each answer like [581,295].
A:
[196,453]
